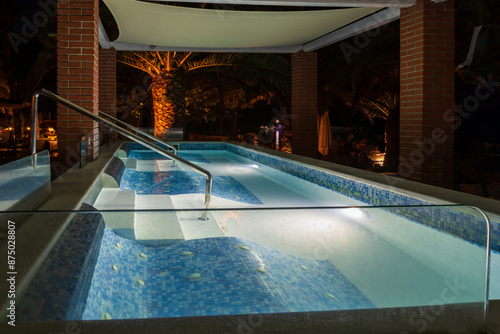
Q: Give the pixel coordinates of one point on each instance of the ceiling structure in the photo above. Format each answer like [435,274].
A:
[148,26]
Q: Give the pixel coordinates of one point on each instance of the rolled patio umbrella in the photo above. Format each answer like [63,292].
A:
[325,139]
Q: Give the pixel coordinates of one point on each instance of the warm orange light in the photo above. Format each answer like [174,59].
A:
[28,128]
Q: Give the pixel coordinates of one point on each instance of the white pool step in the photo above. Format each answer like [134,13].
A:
[117,199]
[194,228]
[171,225]
[157,165]
[156,225]
[182,225]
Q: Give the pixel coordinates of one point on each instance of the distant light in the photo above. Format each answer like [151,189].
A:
[28,128]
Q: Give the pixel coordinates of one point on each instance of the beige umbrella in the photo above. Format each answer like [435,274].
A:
[325,139]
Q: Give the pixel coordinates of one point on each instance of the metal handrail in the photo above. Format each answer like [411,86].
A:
[145,134]
[120,130]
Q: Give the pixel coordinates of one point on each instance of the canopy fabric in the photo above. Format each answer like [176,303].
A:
[178,27]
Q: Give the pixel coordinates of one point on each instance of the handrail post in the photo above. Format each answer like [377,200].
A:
[208,195]
[118,129]
[34,121]
[34,127]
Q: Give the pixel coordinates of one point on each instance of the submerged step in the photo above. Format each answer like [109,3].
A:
[116,199]
[195,228]
[157,165]
[156,225]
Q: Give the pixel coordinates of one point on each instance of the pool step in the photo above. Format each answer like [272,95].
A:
[117,199]
[156,165]
[156,225]
[194,228]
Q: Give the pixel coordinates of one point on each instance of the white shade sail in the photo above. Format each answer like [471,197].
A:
[143,23]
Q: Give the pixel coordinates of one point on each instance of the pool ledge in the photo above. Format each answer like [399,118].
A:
[422,191]
[369,321]
[35,238]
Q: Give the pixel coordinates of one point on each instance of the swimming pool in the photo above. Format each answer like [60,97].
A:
[265,261]
[237,182]
[251,257]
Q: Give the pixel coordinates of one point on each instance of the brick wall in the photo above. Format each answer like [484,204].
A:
[427,91]
[304,104]
[77,75]
[107,85]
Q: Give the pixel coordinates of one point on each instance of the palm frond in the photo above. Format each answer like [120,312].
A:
[185,57]
[142,61]
[265,67]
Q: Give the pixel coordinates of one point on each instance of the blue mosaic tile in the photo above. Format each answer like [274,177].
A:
[229,281]
[128,147]
[196,158]
[146,155]
[183,182]
[202,146]
[60,287]
[151,155]
[115,169]
[462,225]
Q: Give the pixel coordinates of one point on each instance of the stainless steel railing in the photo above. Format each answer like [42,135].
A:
[143,133]
[120,130]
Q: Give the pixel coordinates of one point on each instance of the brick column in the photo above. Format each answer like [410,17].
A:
[107,84]
[77,75]
[304,104]
[427,92]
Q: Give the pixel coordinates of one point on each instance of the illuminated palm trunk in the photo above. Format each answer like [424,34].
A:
[163,110]
[168,92]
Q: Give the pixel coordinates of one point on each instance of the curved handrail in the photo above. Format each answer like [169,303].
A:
[117,128]
[133,128]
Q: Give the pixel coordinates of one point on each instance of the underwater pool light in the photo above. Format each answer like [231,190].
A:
[356,213]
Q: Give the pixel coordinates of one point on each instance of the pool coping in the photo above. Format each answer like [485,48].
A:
[370,321]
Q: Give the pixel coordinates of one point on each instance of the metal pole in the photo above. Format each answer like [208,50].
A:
[145,134]
[118,129]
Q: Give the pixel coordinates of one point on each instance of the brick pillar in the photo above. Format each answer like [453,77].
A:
[107,85]
[304,104]
[77,75]
[427,92]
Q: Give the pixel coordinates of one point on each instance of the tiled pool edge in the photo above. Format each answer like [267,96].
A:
[358,188]
[75,187]
[76,251]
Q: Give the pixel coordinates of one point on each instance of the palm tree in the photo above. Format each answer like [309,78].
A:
[171,72]
[367,86]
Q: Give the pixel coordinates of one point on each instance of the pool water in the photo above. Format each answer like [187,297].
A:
[262,261]
[238,180]
[235,277]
